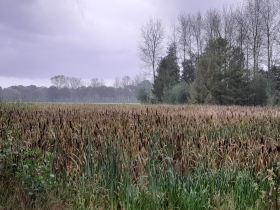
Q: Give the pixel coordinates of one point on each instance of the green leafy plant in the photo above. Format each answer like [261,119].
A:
[33,168]
[143,96]
[35,172]
[7,164]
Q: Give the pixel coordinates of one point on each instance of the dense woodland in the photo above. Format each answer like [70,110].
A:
[65,89]
[226,57]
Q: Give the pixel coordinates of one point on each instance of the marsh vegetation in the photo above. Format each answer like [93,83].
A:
[105,156]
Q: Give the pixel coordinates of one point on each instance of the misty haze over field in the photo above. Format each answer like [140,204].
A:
[80,38]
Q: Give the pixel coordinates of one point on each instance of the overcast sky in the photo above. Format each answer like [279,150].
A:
[79,38]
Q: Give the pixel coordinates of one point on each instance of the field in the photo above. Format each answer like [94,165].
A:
[106,156]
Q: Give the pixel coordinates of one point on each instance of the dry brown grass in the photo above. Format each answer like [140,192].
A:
[209,136]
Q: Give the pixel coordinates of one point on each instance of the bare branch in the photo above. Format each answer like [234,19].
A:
[150,47]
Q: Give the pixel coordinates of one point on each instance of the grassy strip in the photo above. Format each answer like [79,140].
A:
[200,190]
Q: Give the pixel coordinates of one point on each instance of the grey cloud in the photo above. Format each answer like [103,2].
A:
[82,38]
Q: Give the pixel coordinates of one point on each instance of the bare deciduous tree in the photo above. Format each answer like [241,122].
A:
[95,83]
[102,82]
[117,83]
[126,80]
[150,47]
[75,83]
[197,25]
[138,79]
[228,22]
[271,24]
[185,36]
[253,15]
[174,36]
[240,27]
[59,81]
[213,24]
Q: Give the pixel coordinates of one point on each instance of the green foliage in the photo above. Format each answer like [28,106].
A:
[209,72]
[178,94]
[53,93]
[7,164]
[257,90]
[33,168]
[10,93]
[188,71]
[220,76]
[35,172]
[168,73]
[273,86]
[144,96]
[236,79]
[210,100]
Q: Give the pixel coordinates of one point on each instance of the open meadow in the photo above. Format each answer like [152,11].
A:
[106,156]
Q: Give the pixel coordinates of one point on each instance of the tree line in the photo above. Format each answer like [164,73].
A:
[229,56]
[71,89]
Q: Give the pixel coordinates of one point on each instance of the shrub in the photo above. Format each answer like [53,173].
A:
[143,95]
[178,94]
[17,159]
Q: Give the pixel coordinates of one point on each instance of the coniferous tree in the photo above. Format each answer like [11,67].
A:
[168,73]
[220,76]
[208,84]
[273,86]
[188,71]
[236,80]
[257,89]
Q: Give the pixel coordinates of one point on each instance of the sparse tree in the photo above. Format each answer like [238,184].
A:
[117,83]
[253,15]
[150,47]
[213,24]
[271,24]
[242,32]
[126,80]
[75,82]
[197,25]
[174,36]
[228,22]
[138,79]
[95,83]
[102,82]
[185,36]
[59,81]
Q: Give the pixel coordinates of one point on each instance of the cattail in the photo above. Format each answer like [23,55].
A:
[262,140]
